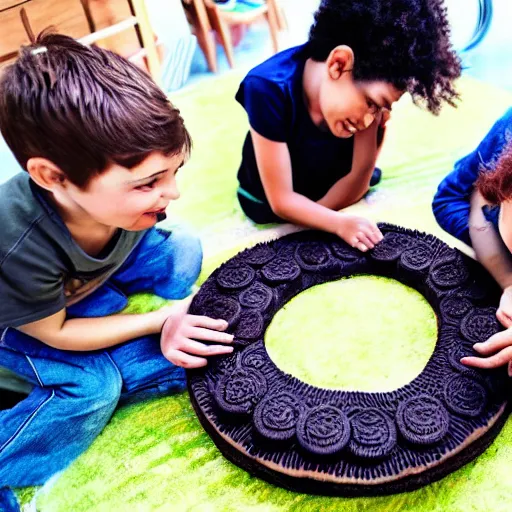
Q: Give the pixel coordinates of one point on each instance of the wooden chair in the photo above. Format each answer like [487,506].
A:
[198,18]
[139,19]
[22,21]
[206,15]
[66,16]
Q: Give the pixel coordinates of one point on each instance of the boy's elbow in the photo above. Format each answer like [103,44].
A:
[58,343]
[49,331]
[276,201]
[280,206]
[53,340]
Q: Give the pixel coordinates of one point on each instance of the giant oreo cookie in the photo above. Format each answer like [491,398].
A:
[339,442]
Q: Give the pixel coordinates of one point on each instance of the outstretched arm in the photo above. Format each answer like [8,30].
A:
[274,165]
[181,339]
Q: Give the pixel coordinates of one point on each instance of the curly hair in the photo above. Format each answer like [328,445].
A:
[496,185]
[402,42]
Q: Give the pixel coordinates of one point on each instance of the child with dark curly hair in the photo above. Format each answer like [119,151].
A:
[474,204]
[317,111]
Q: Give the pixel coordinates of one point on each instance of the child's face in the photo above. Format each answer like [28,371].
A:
[131,199]
[348,106]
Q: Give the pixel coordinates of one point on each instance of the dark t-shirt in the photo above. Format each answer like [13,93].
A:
[42,269]
[272,94]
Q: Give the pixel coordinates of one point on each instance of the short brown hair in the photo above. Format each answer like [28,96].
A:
[496,185]
[84,108]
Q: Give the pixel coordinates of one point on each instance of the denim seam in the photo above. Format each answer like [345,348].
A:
[115,366]
[32,365]
[26,422]
[155,384]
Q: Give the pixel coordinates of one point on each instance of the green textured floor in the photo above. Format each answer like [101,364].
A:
[155,456]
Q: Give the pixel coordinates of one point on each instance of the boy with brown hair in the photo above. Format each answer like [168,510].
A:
[101,145]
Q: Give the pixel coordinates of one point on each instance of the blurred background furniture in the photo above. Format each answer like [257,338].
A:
[200,22]
[89,21]
[209,19]
[68,17]
[138,19]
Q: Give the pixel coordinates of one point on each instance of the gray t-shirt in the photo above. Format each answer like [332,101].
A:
[42,269]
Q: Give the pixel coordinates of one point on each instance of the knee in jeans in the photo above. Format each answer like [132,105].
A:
[101,383]
[189,252]
[187,261]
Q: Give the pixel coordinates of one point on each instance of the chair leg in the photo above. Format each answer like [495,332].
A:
[222,28]
[203,33]
[88,15]
[282,22]
[273,23]
[26,25]
[148,39]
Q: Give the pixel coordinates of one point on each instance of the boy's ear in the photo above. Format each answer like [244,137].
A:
[45,173]
[340,60]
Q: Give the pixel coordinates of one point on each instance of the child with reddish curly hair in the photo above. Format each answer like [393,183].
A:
[474,204]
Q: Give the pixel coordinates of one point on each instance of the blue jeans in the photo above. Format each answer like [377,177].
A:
[75,393]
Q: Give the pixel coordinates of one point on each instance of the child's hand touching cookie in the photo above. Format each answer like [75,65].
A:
[495,352]
[181,331]
[358,232]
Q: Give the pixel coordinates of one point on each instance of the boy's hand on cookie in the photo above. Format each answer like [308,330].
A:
[504,313]
[181,332]
[496,351]
[358,232]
